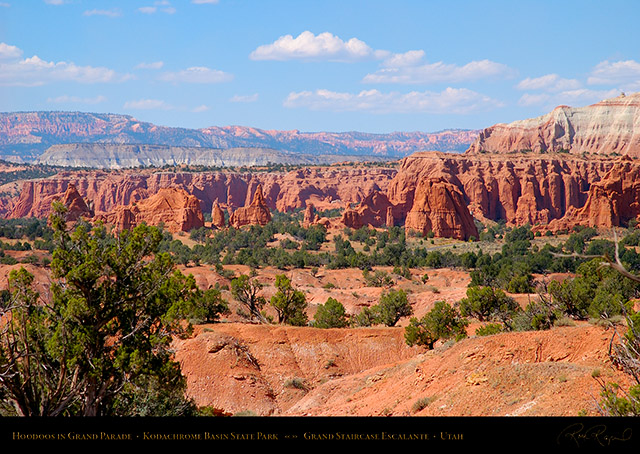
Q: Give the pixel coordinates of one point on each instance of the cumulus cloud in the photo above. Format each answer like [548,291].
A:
[202,108]
[308,46]
[618,72]
[55,2]
[148,104]
[450,100]
[244,98]
[549,82]
[35,71]
[64,99]
[204,2]
[152,65]
[197,75]
[406,73]
[8,52]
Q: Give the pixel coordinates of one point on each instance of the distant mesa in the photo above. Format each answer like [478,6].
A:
[608,127]
[82,139]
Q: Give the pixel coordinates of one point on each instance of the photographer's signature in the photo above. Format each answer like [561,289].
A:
[580,433]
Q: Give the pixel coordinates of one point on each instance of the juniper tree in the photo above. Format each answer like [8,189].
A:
[100,344]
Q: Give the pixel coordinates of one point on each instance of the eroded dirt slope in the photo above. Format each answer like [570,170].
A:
[276,370]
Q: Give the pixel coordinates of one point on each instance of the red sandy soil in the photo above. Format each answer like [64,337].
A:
[241,368]
[300,371]
[238,367]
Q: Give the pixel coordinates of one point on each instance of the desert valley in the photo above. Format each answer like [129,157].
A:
[451,274]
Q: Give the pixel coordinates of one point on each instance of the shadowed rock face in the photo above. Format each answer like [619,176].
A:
[257,213]
[610,126]
[173,207]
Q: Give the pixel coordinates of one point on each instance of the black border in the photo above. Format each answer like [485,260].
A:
[512,433]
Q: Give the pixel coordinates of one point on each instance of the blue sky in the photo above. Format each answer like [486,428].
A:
[349,65]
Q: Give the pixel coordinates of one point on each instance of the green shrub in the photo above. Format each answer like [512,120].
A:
[332,314]
[392,307]
[489,329]
[441,322]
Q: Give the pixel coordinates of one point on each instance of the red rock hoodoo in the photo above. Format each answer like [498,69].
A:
[256,213]
[217,216]
[309,216]
[178,210]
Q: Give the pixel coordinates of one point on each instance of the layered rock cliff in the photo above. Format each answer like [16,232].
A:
[325,187]
[608,127]
[444,193]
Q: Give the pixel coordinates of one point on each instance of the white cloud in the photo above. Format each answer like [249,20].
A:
[9,52]
[308,46]
[619,72]
[549,82]
[64,99]
[152,65]
[103,12]
[5,4]
[436,72]
[55,2]
[34,71]
[204,2]
[147,104]
[451,100]
[244,98]
[161,5]
[197,75]
[409,58]
[202,108]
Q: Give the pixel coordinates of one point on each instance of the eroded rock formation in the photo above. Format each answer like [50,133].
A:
[176,209]
[75,205]
[256,213]
[310,216]
[442,193]
[329,187]
[217,216]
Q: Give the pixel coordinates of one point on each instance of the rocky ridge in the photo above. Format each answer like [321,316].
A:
[122,156]
[29,134]
[611,126]
[325,187]
[444,193]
